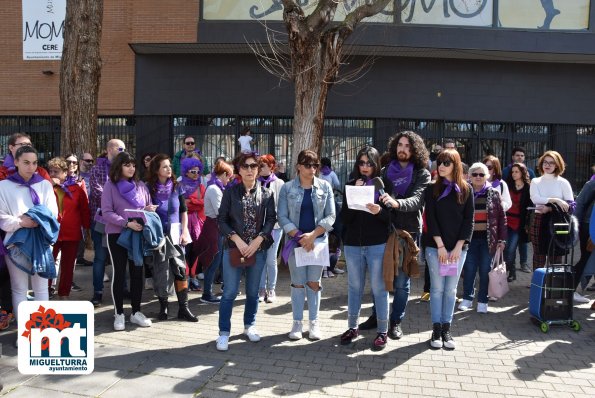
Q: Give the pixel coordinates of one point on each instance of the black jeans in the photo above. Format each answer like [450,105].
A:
[119,257]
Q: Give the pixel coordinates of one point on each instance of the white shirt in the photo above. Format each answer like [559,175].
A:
[213,197]
[245,143]
[550,186]
[504,195]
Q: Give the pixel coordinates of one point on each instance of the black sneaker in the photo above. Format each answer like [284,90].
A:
[394,331]
[436,339]
[75,287]
[447,340]
[379,342]
[348,336]
[97,299]
[369,323]
[84,263]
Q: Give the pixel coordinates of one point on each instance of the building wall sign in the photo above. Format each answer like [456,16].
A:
[544,14]
[447,12]
[43,29]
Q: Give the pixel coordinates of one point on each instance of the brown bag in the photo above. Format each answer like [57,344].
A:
[238,260]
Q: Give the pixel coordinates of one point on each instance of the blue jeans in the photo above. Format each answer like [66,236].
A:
[359,259]
[524,252]
[512,242]
[270,269]
[212,270]
[443,290]
[299,277]
[478,261]
[232,276]
[98,260]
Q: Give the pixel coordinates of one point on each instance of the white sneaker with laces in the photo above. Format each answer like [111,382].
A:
[252,334]
[222,343]
[296,331]
[580,299]
[314,333]
[270,296]
[465,305]
[140,319]
[338,271]
[119,322]
[482,308]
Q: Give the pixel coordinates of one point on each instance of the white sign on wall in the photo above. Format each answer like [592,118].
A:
[43,29]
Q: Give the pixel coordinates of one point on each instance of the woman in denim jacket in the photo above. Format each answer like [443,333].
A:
[306,213]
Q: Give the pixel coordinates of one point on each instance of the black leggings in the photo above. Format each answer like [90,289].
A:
[119,257]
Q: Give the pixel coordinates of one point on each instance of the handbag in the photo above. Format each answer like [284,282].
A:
[498,283]
[448,269]
[237,260]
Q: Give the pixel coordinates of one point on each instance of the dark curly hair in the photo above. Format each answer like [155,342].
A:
[153,172]
[419,152]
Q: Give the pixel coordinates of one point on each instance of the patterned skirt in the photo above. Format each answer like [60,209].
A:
[536,236]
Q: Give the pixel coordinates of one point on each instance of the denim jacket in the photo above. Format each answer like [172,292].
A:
[290,203]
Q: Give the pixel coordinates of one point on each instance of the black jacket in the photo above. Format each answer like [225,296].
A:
[231,214]
[408,216]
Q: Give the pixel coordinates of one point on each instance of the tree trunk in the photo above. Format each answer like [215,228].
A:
[80,75]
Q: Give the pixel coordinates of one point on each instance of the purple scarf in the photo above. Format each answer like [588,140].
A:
[592,178]
[129,191]
[496,183]
[266,181]
[162,192]
[291,244]
[376,193]
[400,178]
[70,180]
[482,191]
[325,170]
[16,178]
[189,186]
[449,187]
[9,162]
[212,178]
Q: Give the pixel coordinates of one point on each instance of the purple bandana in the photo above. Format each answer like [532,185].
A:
[449,187]
[291,244]
[482,191]
[17,178]
[189,186]
[267,180]
[400,178]
[129,191]
[325,170]
[9,162]
[70,180]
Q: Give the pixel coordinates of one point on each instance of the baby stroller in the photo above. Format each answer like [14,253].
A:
[552,287]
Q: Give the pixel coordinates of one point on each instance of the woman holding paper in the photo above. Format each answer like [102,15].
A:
[306,213]
[168,196]
[123,191]
[449,221]
[246,218]
[489,235]
[366,233]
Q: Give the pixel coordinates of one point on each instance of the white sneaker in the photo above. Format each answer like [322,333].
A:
[296,331]
[105,277]
[201,276]
[580,299]
[482,308]
[465,305]
[261,295]
[314,333]
[252,334]
[270,297]
[222,343]
[119,322]
[140,319]
[148,283]
[338,271]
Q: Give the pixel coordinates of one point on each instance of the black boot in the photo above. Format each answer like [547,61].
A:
[163,309]
[183,310]
[369,323]
[436,339]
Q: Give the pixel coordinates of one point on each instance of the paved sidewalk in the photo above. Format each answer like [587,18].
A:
[500,354]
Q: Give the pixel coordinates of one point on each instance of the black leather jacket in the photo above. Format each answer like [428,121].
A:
[231,214]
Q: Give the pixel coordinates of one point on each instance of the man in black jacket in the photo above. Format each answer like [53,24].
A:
[405,180]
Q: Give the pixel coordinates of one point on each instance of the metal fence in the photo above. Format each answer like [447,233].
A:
[343,137]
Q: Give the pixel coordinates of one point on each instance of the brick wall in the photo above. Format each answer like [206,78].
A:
[25,90]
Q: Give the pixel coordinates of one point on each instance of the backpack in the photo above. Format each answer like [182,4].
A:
[559,232]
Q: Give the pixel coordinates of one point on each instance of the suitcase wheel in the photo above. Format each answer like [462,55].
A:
[544,327]
[575,326]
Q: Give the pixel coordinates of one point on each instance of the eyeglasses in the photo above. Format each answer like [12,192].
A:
[365,163]
[88,160]
[147,159]
[21,144]
[189,143]
[490,167]
[478,175]
[445,163]
[311,165]
[548,163]
[121,149]
[71,162]
[247,166]
[193,171]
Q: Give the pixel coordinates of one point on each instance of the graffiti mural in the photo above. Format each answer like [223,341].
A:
[544,14]
[447,12]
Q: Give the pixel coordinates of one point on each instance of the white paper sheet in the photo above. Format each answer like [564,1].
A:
[359,197]
[317,256]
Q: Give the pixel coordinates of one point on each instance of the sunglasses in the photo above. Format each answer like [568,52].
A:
[490,167]
[445,163]
[478,175]
[71,162]
[189,143]
[365,163]
[310,165]
[121,149]
[193,171]
[88,160]
[247,166]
